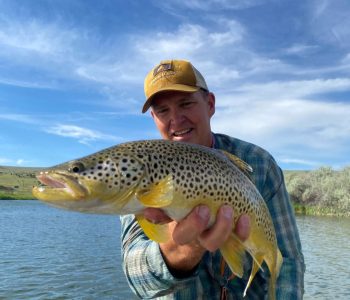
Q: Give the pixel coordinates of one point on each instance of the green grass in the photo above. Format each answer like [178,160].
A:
[16,183]
[319,211]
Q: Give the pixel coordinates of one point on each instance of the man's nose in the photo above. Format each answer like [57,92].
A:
[176,116]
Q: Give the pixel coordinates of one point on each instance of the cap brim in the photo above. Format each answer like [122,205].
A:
[175,87]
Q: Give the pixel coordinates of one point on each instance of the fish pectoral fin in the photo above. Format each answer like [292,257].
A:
[233,251]
[156,232]
[159,194]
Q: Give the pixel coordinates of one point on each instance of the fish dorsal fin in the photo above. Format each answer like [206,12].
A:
[241,164]
[156,232]
[159,194]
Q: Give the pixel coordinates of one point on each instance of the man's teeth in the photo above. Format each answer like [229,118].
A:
[182,132]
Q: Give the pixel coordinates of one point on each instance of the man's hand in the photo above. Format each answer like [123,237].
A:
[191,238]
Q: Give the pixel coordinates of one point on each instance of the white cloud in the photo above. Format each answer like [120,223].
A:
[35,53]
[301,49]
[110,73]
[83,135]
[26,83]
[189,40]
[7,161]
[202,45]
[33,36]
[282,117]
[292,88]
[4,160]
[56,39]
[329,21]
[22,118]
[205,47]
[300,162]
[21,162]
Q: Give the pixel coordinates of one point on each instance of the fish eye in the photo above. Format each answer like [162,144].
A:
[77,167]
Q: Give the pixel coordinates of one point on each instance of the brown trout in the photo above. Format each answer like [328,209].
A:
[175,177]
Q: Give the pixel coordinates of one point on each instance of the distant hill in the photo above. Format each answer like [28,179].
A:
[17,182]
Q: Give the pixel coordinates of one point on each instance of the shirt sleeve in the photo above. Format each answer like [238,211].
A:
[290,283]
[144,267]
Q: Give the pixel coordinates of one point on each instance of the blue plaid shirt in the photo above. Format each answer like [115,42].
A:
[149,277]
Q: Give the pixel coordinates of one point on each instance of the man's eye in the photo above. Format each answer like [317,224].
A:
[186,104]
[162,111]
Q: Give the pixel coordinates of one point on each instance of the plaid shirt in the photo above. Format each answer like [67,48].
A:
[149,277]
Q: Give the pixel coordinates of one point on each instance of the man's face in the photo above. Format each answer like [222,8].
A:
[183,116]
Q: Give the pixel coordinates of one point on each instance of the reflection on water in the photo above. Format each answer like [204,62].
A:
[48,253]
[326,249]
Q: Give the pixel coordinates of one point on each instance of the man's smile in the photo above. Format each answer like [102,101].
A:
[181,133]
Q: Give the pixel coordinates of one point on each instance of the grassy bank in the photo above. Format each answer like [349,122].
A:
[321,192]
[16,183]
[318,211]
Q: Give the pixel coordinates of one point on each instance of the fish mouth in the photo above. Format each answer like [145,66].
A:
[57,187]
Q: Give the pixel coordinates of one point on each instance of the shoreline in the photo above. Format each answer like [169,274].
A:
[304,210]
[299,210]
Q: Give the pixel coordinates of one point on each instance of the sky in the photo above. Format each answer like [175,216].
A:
[72,71]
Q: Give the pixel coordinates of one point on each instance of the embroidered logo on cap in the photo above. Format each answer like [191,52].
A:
[161,68]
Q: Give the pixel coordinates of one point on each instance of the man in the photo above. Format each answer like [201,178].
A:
[189,266]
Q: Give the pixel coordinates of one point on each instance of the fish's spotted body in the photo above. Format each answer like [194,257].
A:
[175,177]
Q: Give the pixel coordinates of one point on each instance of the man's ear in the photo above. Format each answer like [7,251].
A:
[211,103]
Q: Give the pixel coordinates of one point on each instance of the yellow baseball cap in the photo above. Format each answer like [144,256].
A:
[172,75]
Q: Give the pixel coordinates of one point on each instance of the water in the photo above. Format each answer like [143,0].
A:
[326,248]
[47,253]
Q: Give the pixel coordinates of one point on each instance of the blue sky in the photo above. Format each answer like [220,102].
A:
[71,74]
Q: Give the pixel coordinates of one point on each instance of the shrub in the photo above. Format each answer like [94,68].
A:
[324,187]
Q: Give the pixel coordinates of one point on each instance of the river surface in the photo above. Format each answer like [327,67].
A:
[47,253]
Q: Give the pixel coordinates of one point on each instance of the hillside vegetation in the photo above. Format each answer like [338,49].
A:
[324,191]
[17,183]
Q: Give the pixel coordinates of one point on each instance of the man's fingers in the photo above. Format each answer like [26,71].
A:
[213,238]
[192,226]
[242,228]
